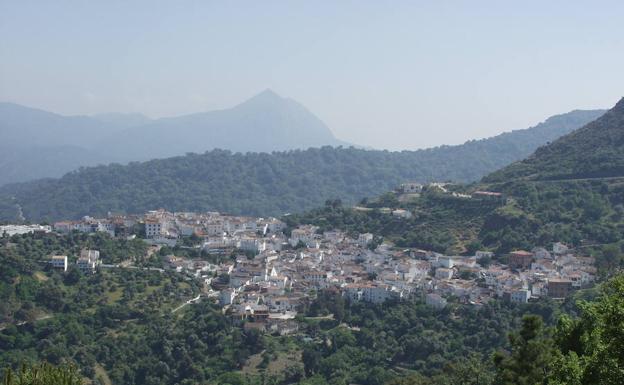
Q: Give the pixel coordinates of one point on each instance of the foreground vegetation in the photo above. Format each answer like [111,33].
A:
[117,326]
[579,343]
[583,350]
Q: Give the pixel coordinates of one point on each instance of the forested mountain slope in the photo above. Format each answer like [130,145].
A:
[595,150]
[568,191]
[270,184]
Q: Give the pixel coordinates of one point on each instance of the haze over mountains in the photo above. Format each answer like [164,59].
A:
[264,123]
[39,144]
[34,138]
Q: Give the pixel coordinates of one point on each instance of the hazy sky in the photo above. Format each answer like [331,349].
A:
[396,74]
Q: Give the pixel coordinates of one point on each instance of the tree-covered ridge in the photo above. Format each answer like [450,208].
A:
[596,150]
[440,222]
[269,184]
[393,340]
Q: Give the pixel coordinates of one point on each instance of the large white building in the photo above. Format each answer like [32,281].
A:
[306,235]
[88,261]
[154,228]
[215,228]
[410,188]
[365,239]
[371,293]
[252,244]
[11,230]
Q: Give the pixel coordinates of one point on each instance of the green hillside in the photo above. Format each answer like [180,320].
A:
[532,214]
[595,150]
[567,192]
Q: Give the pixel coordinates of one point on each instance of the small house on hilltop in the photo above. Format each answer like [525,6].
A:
[488,195]
[410,188]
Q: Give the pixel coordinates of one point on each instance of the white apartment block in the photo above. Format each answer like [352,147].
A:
[154,228]
[365,239]
[88,261]
[520,296]
[252,244]
[59,262]
[304,235]
[410,188]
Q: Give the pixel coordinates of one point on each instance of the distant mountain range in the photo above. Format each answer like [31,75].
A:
[264,123]
[37,144]
[269,183]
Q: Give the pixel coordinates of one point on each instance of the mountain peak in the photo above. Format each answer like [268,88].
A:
[266,96]
[619,106]
[269,93]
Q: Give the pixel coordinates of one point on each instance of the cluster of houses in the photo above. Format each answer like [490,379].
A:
[165,228]
[87,262]
[275,275]
[407,190]
[10,230]
[527,275]
[268,288]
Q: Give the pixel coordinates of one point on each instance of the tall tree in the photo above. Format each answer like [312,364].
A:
[592,346]
[532,353]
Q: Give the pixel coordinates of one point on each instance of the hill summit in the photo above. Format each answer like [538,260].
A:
[595,150]
[264,123]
